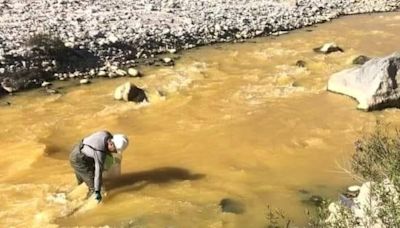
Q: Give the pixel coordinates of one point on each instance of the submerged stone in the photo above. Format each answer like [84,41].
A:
[303,191]
[301,63]
[231,206]
[51,91]
[360,60]
[314,200]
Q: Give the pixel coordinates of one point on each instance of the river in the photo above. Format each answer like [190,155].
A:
[238,121]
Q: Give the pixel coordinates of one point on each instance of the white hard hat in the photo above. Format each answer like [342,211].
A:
[120,141]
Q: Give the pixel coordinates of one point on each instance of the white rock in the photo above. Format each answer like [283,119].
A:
[167,60]
[84,81]
[149,7]
[133,72]
[92,72]
[69,44]
[45,64]
[101,73]
[354,188]
[172,51]
[373,85]
[102,41]
[112,38]
[326,46]
[120,72]
[44,84]
[93,33]
[279,33]
[112,75]
[2,70]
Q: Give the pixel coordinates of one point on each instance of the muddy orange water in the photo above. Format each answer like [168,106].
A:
[236,121]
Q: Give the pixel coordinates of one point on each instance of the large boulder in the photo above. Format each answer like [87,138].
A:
[130,92]
[375,85]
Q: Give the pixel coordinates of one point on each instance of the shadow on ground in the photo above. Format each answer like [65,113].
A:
[137,180]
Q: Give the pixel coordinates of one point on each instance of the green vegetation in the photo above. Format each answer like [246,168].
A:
[376,160]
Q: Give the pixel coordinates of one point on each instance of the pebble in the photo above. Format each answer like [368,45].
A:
[101,73]
[84,81]
[46,84]
[167,60]
[133,72]
[120,72]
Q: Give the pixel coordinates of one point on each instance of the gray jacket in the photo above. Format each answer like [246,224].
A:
[95,146]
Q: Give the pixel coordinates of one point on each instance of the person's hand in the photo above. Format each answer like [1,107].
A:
[97,196]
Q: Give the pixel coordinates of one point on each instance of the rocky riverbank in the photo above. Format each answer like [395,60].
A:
[60,39]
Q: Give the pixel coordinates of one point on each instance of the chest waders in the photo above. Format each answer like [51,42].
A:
[83,166]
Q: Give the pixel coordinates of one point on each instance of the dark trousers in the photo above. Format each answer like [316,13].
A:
[83,167]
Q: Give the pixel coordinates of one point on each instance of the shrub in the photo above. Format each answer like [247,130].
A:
[376,159]
[377,155]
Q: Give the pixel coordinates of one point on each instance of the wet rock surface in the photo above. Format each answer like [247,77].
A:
[328,48]
[65,39]
[360,60]
[301,63]
[374,85]
[229,205]
[130,92]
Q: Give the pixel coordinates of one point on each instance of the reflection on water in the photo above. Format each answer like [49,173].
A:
[230,121]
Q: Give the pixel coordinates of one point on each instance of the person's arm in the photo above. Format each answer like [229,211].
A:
[99,158]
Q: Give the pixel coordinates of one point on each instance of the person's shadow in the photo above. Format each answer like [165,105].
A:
[137,180]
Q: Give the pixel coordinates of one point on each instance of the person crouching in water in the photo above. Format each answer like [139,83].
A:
[89,158]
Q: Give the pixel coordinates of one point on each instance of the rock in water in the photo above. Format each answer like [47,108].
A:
[133,72]
[130,92]
[316,200]
[328,48]
[46,84]
[84,81]
[301,63]
[375,85]
[360,60]
[231,206]
[168,61]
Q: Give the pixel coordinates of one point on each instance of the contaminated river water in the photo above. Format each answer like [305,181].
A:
[228,121]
